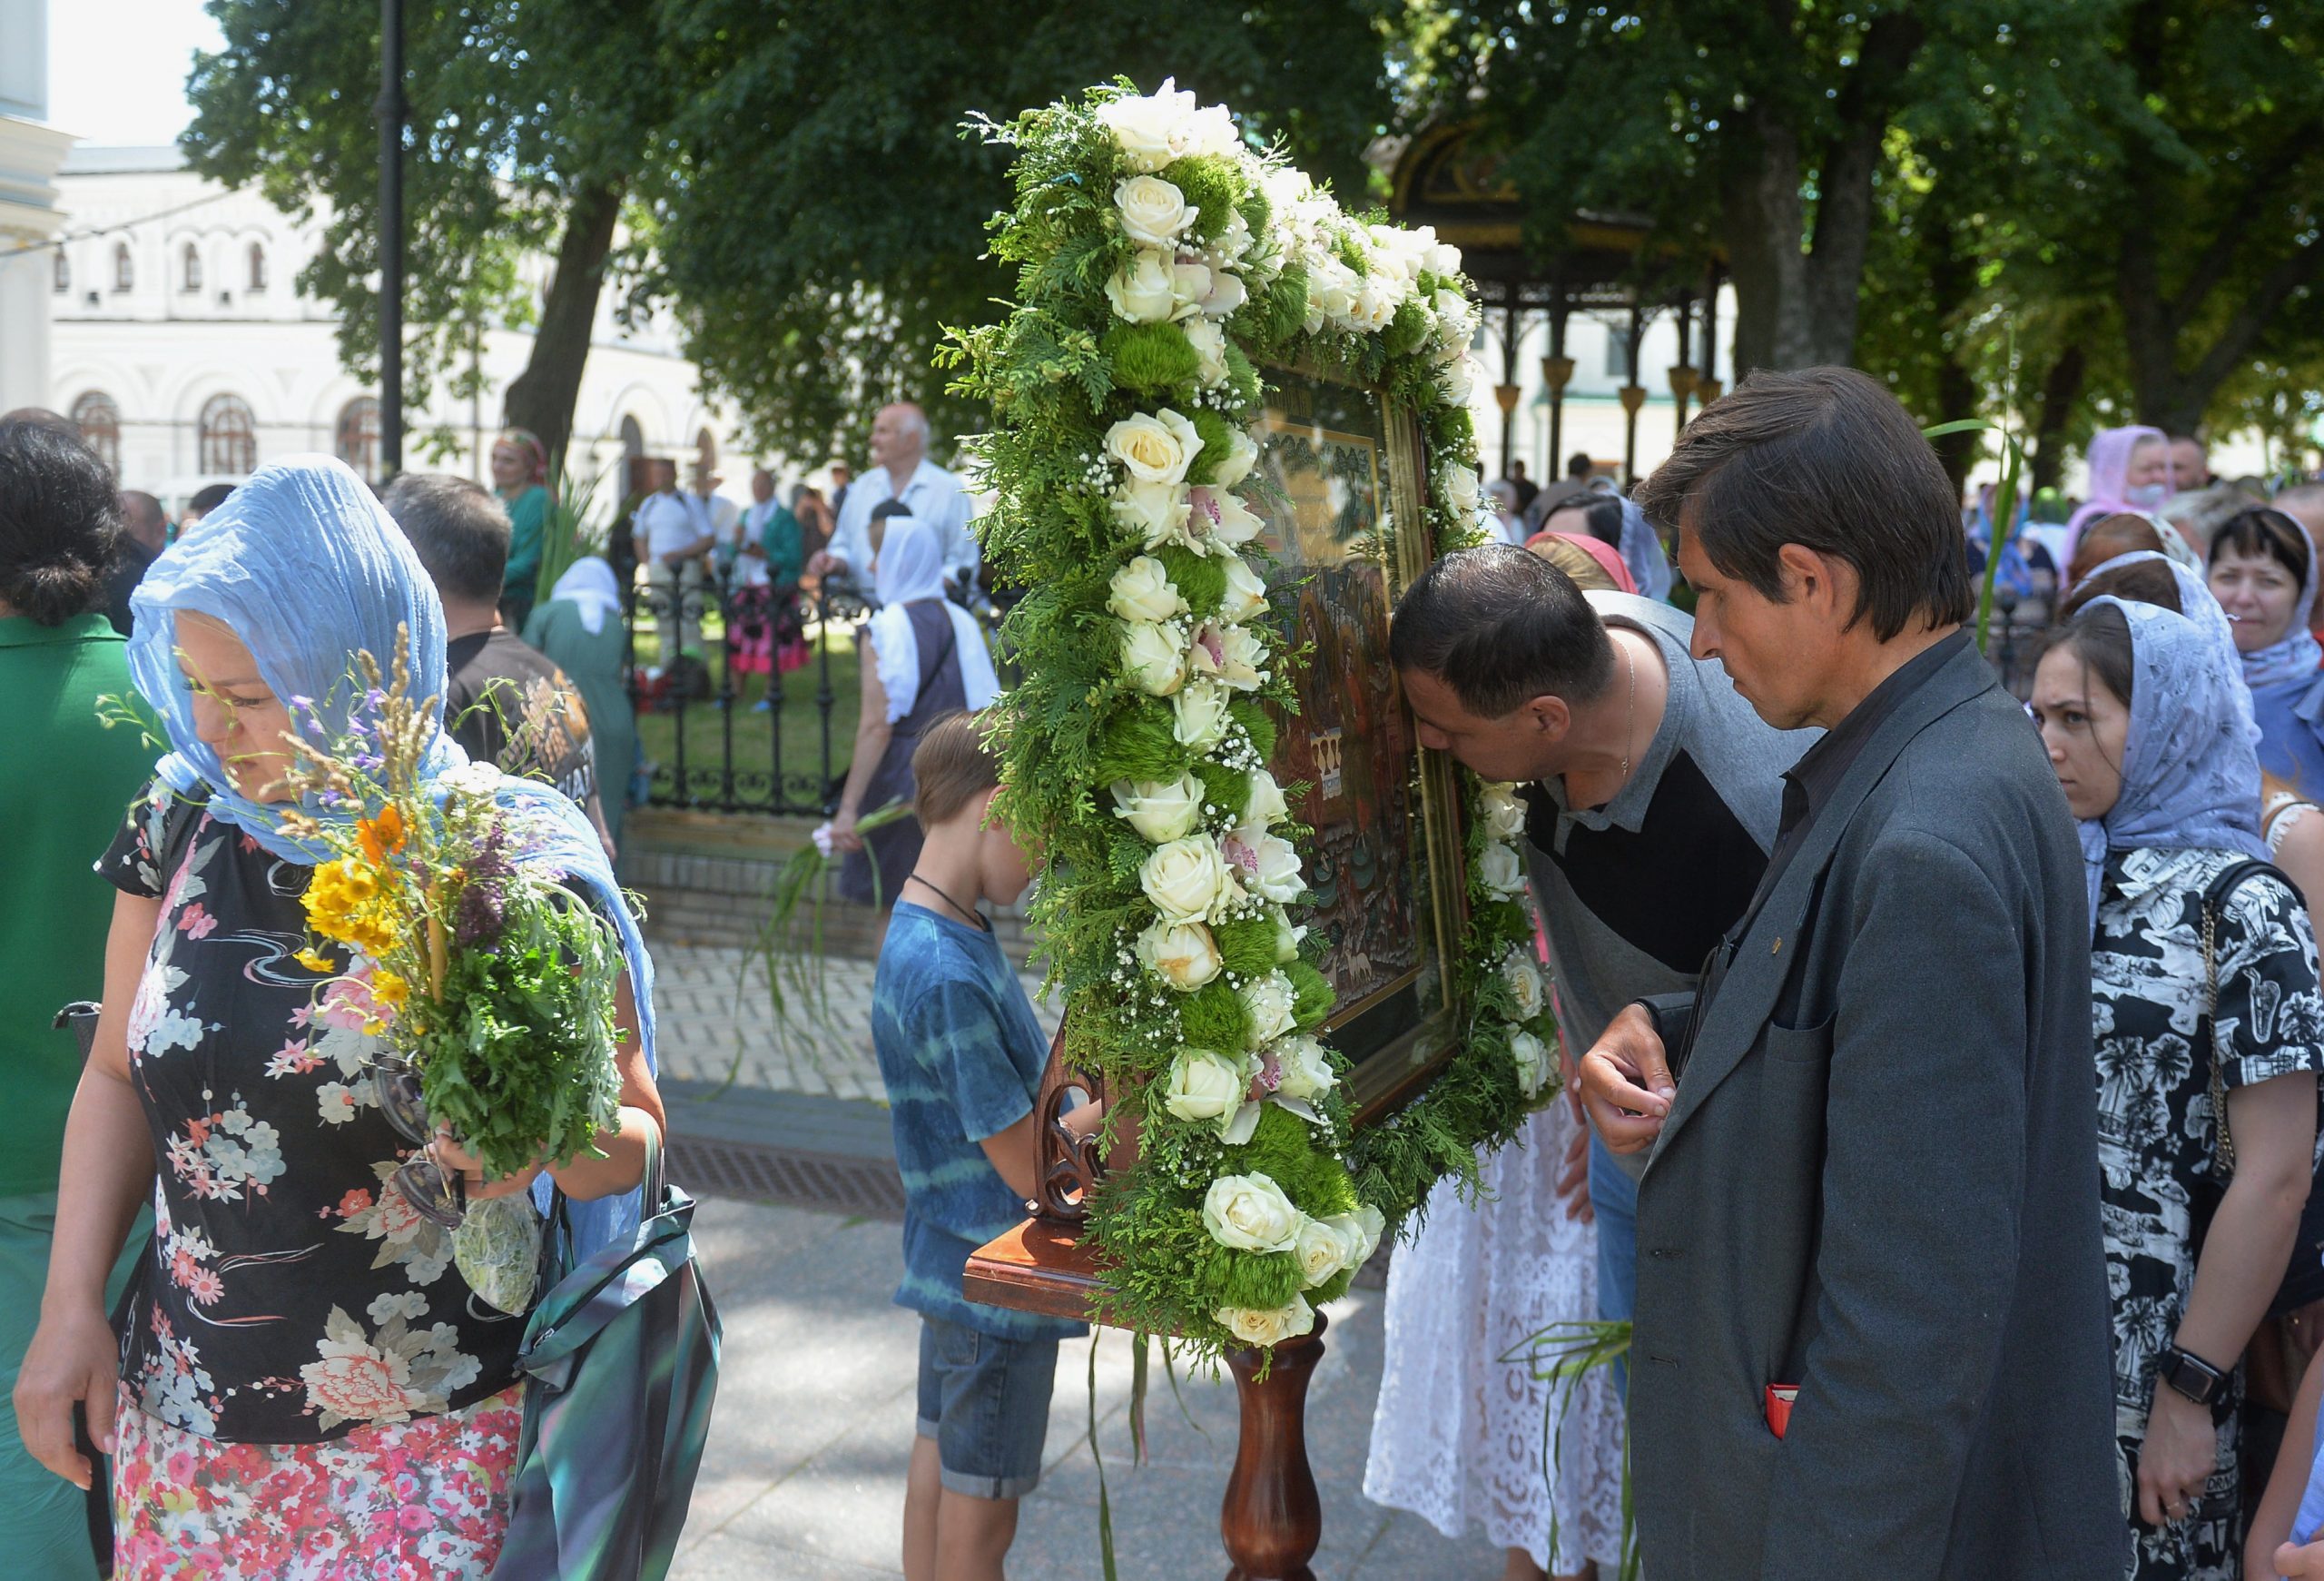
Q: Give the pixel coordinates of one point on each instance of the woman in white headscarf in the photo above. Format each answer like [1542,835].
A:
[922,658]
[580,627]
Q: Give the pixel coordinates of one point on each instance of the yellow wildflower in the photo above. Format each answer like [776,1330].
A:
[314,961]
[389,989]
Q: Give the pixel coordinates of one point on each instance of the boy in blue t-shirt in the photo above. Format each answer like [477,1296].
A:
[963,1057]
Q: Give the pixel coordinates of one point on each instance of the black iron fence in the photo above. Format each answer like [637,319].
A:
[715,731]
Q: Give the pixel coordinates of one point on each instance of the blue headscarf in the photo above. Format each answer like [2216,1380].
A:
[1641,550]
[306,568]
[2191,779]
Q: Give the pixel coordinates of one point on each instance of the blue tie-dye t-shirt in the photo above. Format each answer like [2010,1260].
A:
[962,1056]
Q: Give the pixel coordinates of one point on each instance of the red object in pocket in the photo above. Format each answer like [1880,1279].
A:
[1780,1396]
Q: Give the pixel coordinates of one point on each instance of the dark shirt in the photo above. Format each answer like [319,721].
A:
[507,704]
[129,568]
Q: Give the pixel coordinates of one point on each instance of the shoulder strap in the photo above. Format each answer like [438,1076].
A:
[2215,898]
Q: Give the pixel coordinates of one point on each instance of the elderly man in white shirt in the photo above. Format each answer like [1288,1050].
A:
[901,470]
[671,540]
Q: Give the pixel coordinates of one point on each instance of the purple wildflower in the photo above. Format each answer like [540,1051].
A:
[481,914]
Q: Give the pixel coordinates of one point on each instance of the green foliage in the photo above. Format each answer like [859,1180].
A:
[1257,726]
[1217,437]
[1278,315]
[1138,745]
[1406,333]
[1314,1001]
[1222,786]
[1211,184]
[1214,1018]
[1150,356]
[1201,579]
[1247,946]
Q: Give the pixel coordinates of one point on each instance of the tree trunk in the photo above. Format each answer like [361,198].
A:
[2061,388]
[1796,295]
[542,398]
[1951,277]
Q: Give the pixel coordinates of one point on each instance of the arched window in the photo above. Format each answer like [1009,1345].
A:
[706,451]
[99,421]
[229,436]
[258,268]
[63,272]
[359,437]
[124,272]
[632,439]
[193,270]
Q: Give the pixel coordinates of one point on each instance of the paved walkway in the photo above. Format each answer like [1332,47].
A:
[718,1017]
[804,1476]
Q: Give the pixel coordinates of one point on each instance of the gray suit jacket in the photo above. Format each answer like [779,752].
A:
[1892,1204]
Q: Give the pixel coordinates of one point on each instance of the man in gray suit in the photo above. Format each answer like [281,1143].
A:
[1872,1176]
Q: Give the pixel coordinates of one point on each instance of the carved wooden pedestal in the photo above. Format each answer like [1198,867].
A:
[1271,1521]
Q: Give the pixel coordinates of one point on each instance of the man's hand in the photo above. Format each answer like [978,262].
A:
[823,563]
[1626,1083]
[2300,1559]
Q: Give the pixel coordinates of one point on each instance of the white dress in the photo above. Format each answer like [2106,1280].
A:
[1460,1436]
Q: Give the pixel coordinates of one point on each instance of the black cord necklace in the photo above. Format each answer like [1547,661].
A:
[975,917]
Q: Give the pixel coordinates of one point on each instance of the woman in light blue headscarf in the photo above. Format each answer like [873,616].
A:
[2263,570]
[294,1307]
[2145,718]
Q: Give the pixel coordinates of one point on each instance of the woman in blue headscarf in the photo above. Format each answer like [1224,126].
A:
[2263,571]
[308,1382]
[2143,714]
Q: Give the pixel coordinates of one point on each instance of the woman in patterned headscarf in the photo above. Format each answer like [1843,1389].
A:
[520,478]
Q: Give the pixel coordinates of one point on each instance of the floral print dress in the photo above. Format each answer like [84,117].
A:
[2157,1133]
[309,1386]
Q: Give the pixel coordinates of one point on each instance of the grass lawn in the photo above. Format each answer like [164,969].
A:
[778,757]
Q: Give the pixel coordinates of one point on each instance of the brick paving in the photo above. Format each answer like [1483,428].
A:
[716,1017]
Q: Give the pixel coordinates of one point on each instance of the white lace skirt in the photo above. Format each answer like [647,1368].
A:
[1460,1436]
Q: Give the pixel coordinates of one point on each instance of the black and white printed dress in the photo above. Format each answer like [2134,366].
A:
[2156,1131]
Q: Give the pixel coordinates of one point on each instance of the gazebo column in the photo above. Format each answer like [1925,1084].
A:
[1557,373]
[1683,376]
[1633,395]
[1506,392]
[1708,387]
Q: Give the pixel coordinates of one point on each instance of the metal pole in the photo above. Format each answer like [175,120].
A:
[391,111]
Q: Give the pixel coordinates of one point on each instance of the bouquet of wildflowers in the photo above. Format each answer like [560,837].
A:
[491,981]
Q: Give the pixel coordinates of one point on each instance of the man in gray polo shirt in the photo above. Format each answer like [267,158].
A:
[1655,792]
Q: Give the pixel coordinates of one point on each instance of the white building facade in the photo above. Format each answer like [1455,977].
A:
[184,347]
[30,214]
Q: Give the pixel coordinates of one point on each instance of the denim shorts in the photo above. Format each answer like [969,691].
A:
[984,1401]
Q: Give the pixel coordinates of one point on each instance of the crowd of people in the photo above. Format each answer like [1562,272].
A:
[1943,1098]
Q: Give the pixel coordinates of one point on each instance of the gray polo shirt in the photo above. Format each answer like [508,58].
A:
[1636,894]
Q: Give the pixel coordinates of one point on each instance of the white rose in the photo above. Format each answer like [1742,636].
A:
[1225,294]
[1287,187]
[1532,1057]
[1142,125]
[1268,1326]
[1230,654]
[1155,448]
[1183,954]
[1233,241]
[1246,595]
[1304,1069]
[1156,512]
[1504,812]
[1142,590]
[1331,292]
[1209,342]
[1456,379]
[1209,130]
[1364,1229]
[1154,656]
[1242,455]
[1322,1252]
[1266,865]
[1525,979]
[1185,878]
[1152,209]
[1221,519]
[1190,283]
[1264,807]
[1442,258]
[1141,292]
[1461,489]
[1201,715]
[1497,866]
[1250,1213]
[1456,321]
[1286,938]
[1160,810]
[1270,1000]
[1376,303]
[1203,1086]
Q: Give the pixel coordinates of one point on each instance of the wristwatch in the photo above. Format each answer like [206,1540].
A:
[2191,1375]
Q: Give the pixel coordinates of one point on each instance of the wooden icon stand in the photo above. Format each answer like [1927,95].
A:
[1271,1521]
